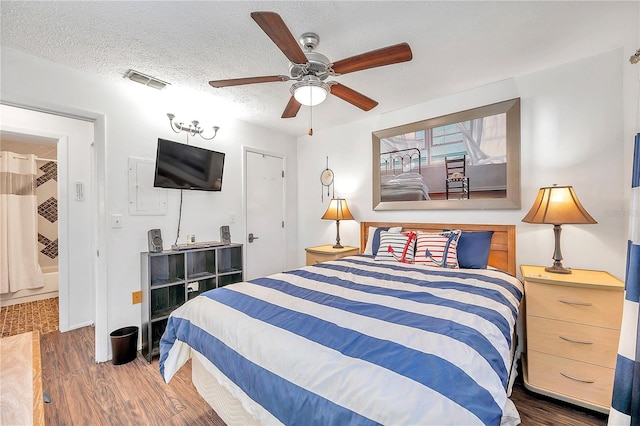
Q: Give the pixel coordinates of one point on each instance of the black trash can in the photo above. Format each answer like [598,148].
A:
[124,345]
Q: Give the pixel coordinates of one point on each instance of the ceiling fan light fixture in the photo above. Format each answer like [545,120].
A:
[311,91]
[309,69]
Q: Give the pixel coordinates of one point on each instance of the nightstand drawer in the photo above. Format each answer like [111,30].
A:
[586,382]
[313,258]
[326,253]
[591,306]
[595,345]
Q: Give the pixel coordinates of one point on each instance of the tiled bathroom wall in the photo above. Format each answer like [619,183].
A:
[47,195]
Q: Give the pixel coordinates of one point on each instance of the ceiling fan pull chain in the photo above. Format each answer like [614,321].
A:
[310,121]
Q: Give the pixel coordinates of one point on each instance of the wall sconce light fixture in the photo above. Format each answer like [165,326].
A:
[192,129]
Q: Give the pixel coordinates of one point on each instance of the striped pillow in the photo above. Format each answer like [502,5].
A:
[439,249]
[373,240]
[396,247]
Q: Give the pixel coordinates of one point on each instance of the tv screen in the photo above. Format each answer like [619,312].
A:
[181,166]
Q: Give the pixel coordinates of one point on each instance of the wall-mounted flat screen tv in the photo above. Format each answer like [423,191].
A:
[181,166]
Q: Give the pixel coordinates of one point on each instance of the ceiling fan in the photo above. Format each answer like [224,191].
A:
[310,69]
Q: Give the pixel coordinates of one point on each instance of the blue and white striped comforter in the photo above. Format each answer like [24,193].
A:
[355,341]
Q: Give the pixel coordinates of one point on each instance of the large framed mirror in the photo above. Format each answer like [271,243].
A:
[465,160]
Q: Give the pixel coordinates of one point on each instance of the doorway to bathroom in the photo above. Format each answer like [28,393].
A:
[66,232]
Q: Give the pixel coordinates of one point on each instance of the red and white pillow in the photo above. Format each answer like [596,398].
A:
[396,247]
[438,249]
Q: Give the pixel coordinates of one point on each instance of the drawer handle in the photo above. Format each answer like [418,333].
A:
[577,379]
[582,342]
[570,302]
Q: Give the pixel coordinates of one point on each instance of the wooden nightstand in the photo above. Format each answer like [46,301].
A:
[325,253]
[572,332]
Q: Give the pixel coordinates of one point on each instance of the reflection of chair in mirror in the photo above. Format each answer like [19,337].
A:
[457,179]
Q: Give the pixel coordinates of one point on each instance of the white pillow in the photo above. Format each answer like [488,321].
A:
[368,248]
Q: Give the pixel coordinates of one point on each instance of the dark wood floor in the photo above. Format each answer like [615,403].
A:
[86,393]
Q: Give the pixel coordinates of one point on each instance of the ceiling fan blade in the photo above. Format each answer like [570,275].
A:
[353,97]
[376,58]
[248,80]
[273,25]
[292,108]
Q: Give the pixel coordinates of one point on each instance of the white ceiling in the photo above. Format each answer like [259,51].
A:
[456,45]
[19,143]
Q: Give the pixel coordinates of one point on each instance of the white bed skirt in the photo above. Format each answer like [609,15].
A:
[221,400]
[231,411]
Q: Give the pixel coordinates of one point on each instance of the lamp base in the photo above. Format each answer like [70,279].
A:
[558,269]
[337,244]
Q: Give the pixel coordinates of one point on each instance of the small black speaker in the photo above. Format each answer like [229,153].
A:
[155,240]
[225,235]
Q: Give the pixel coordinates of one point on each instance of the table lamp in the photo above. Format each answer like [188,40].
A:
[337,210]
[557,205]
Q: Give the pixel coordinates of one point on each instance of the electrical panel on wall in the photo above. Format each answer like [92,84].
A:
[144,199]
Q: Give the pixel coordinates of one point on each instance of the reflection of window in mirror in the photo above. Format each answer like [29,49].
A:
[411,159]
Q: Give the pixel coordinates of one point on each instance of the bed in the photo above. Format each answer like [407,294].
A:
[404,187]
[358,340]
[401,176]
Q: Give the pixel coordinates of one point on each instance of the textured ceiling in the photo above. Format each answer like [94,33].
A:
[456,45]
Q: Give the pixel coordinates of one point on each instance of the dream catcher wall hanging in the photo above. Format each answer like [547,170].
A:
[326,179]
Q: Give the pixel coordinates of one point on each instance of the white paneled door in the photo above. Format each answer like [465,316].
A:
[265,237]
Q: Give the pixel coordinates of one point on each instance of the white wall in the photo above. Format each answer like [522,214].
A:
[134,117]
[573,133]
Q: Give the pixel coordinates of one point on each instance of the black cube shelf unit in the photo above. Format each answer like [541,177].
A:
[171,277]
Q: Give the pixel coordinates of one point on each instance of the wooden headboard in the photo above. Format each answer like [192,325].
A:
[503,241]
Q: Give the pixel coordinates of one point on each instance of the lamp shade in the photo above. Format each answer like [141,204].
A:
[337,210]
[557,205]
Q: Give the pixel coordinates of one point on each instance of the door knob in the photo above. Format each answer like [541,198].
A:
[251,237]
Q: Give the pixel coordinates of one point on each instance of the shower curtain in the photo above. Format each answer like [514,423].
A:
[19,267]
[625,406]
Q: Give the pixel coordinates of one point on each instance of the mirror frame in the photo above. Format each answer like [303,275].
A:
[511,201]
